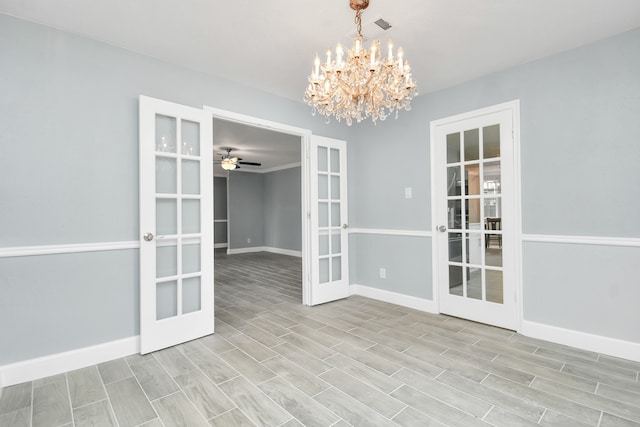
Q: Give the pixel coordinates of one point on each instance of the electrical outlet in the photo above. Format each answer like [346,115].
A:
[383,273]
[249,240]
[408,192]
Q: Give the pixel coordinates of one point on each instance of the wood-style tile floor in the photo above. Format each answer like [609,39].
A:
[360,362]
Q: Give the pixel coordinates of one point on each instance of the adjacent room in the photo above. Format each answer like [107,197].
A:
[348,212]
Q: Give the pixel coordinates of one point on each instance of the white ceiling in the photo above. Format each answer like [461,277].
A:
[271,44]
[252,144]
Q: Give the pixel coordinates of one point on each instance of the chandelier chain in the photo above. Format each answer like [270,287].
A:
[358,22]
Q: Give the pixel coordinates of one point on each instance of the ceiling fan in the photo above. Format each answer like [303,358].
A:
[230,163]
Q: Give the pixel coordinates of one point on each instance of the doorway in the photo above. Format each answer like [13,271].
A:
[257,213]
[324,216]
[476,215]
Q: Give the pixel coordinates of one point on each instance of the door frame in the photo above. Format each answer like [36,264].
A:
[514,108]
[305,138]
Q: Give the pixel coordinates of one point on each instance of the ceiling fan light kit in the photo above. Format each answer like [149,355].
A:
[229,163]
[364,83]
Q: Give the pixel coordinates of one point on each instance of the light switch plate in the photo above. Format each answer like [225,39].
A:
[408,192]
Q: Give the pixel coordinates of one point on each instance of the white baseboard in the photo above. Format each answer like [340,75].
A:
[41,367]
[220,245]
[393,298]
[265,249]
[284,252]
[585,341]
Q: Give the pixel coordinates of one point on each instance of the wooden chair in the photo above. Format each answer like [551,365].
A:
[494,224]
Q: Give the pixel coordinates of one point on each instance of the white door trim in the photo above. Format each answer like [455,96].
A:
[514,108]
[305,136]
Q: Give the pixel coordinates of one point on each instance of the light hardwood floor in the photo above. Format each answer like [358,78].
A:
[360,362]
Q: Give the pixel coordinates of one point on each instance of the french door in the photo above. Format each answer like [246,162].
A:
[329,221]
[475,215]
[176,224]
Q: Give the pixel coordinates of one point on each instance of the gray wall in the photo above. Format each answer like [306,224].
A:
[220,209]
[283,209]
[580,175]
[246,210]
[267,208]
[55,303]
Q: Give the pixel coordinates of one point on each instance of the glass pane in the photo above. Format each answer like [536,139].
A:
[335,187]
[493,207]
[493,256]
[472,180]
[190,138]
[453,148]
[191,295]
[494,286]
[166,217]
[474,283]
[323,186]
[491,141]
[336,242]
[336,268]
[166,261]
[454,182]
[335,214]
[472,207]
[165,134]
[323,214]
[493,239]
[190,216]
[191,258]
[335,161]
[471,145]
[455,247]
[166,176]
[454,214]
[190,177]
[166,299]
[322,159]
[323,243]
[455,280]
[474,248]
[323,270]
[491,180]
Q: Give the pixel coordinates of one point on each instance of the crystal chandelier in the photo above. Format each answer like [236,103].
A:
[364,84]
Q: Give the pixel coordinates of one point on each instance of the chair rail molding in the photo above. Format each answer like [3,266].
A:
[19,251]
[582,240]
[391,232]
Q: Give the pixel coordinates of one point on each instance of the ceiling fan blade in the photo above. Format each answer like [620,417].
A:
[250,163]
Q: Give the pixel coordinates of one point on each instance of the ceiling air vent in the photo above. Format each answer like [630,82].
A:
[371,30]
[382,24]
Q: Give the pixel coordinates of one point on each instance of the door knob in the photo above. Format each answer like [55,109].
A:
[148,237]
[442,228]
[345,226]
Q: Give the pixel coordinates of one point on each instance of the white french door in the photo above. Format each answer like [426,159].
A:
[176,224]
[475,215]
[329,221]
